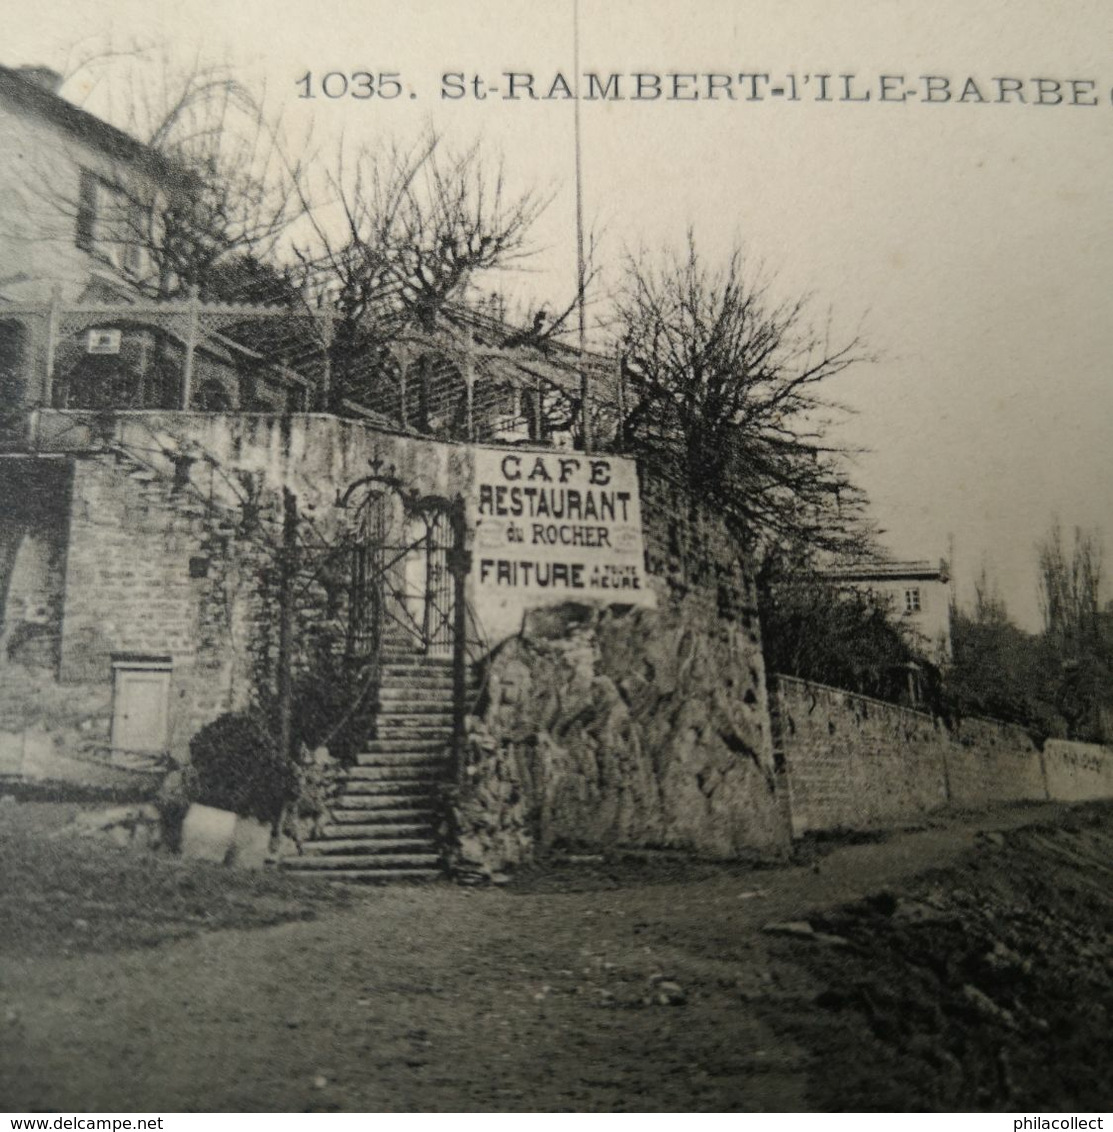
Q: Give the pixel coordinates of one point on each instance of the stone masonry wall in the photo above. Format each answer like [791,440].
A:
[621,727]
[1078,772]
[165,544]
[854,762]
[153,571]
[989,762]
[36,711]
[610,728]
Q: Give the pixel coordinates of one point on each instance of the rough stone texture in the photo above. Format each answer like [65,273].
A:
[135,827]
[33,508]
[250,844]
[989,762]
[616,726]
[855,762]
[1078,772]
[620,728]
[154,535]
[78,717]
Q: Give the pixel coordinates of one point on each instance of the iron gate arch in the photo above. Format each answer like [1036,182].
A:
[406,567]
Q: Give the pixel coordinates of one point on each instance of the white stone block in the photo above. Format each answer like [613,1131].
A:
[207,833]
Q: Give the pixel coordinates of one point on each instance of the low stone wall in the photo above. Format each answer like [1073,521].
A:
[611,727]
[988,761]
[1078,772]
[856,763]
[853,762]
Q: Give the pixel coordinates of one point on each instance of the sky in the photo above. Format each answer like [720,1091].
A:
[966,234]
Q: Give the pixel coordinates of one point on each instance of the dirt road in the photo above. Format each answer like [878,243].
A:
[616,996]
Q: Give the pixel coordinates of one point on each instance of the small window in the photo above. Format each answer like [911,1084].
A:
[912,601]
[109,225]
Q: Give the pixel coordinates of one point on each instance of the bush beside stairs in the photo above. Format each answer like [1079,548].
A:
[383,826]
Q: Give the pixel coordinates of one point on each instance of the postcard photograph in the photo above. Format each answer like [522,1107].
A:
[553,558]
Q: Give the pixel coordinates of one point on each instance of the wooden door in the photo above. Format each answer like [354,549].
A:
[140,709]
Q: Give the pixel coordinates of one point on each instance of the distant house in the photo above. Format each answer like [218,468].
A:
[916,594]
[78,329]
[62,211]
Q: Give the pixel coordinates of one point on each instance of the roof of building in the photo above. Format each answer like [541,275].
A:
[26,87]
[920,570]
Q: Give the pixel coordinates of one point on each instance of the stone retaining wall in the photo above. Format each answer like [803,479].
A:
[988,762]
[1078,772]
[856,763]
[610,728]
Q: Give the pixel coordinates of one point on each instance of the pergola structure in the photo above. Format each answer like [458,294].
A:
[472,377]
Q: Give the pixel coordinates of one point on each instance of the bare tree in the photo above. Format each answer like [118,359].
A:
[396,236]
[207,199]
[1075,632]
[1070,585]
[416,223]
[726,388]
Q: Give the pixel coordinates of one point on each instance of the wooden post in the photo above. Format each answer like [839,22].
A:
[53,325]
[621,437]
[403,369]
[469,395]
[192,326]
[460,565]
[469,378]
[469,368]
[325,395]
[288,570]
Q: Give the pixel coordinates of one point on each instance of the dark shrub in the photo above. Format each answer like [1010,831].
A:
[239,769]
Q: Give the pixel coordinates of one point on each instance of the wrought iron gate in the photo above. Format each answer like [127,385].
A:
[405,581]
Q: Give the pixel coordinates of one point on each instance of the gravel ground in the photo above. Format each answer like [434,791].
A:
[628,986]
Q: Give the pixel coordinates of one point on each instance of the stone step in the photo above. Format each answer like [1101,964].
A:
[383,816]
[419,788]
[395,687]
[436,754]
[375,796]
[414,735]
[414,721]
[392,670]
[362,861]
[431,771]
[432,668]
[420,721]
[378,830]
[376,876]
[371,847]
[402,746]
[390,667]
[417,709]
[392,690]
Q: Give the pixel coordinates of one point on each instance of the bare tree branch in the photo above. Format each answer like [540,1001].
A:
[727,388]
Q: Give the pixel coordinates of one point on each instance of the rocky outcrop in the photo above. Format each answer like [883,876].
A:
[620,727]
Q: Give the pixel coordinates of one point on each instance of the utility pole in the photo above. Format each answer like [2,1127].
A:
[288,568]
[581,272]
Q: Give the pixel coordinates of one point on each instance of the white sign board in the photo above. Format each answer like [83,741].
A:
[552,527]
[103,342]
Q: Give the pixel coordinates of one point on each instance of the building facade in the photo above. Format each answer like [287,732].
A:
[182,536]
[917,594]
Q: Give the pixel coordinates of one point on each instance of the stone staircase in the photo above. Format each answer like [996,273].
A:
[383,825]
